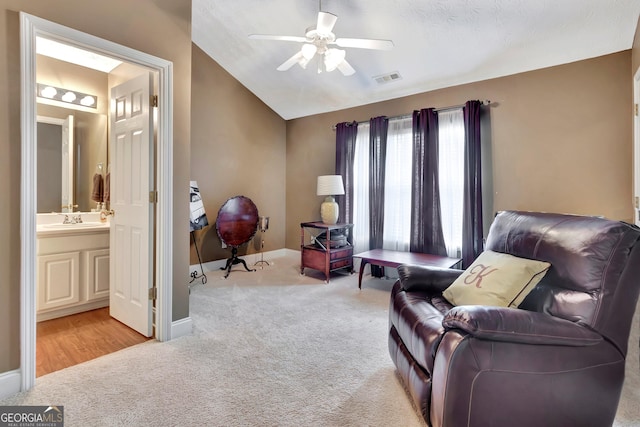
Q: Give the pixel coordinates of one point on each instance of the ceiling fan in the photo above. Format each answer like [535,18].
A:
[318,40]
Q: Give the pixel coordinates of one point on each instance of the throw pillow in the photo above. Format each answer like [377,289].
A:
[496,279]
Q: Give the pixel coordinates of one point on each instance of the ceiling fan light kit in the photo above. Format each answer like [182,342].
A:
[317,41]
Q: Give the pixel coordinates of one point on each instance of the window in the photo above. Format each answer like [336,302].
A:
[361,190]
[398,180]
[451,177]
[397,185]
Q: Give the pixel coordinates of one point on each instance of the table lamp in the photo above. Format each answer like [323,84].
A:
[329,185]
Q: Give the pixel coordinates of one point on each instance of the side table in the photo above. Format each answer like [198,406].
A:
[322,256]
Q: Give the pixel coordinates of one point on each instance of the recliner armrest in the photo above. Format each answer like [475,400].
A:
[518,326]
[423,278]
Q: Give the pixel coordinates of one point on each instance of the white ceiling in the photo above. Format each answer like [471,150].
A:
[438,43]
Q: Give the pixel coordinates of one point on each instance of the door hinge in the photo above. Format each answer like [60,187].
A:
[153,293]
[154,100]
[636,109]
[153,196]
[637,202]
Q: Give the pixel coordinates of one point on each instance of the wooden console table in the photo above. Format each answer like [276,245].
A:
[387,258]
[324,257]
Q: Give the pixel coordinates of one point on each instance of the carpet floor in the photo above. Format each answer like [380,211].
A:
[268,348]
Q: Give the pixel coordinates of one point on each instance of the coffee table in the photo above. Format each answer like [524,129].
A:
[388,258]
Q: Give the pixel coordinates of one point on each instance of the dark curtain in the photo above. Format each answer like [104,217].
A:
[472,230]
[426,224]
[345,152]
[377,155]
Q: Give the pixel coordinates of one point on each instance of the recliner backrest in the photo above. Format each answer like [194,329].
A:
[594,277]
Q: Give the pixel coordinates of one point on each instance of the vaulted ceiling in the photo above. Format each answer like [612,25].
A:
[437,43]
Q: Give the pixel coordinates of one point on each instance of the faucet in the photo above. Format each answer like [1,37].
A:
[75,219]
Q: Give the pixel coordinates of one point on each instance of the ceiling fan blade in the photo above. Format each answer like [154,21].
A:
[290,62]
[346,68]
[277,38]
[365,43]
[326,21]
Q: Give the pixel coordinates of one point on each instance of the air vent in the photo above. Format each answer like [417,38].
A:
[387,78]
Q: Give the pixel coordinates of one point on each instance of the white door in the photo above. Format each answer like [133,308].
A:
[67,165]
[131,241]
[636,149]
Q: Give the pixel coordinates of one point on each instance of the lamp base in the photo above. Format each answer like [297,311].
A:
[329,211]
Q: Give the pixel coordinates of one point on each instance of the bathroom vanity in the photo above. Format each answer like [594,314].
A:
[73,264]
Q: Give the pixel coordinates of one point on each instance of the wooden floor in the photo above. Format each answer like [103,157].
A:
[70,340]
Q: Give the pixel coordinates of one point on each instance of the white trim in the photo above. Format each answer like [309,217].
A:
[68,311]
[181,327]
[50,120]
[30,27]
[9,383]
[636,147]
[28,181]
[164,213]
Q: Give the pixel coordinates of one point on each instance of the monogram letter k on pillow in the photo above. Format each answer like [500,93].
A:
[496,279]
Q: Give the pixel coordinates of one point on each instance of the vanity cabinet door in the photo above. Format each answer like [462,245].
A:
[97,274]
[58,280]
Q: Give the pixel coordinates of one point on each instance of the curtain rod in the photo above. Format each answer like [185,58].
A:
[406,116]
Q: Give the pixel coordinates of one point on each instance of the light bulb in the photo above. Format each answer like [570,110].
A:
[69,97]
[332,58]
[88,101]
[48,92]
[308,50]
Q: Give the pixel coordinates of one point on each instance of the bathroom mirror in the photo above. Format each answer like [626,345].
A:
[65,172]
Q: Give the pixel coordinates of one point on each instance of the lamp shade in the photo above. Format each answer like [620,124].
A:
[330,185]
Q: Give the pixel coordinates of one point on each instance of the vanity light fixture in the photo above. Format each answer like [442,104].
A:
[67,96]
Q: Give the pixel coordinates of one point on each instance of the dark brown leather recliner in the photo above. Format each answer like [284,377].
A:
[557,360]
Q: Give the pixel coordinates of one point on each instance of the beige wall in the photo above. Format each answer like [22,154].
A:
[560,140]
[157,27]
[237,148]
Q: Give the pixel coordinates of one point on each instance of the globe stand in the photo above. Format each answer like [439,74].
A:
[233,261]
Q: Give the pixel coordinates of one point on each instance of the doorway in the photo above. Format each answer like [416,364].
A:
[75,163]
[30,28]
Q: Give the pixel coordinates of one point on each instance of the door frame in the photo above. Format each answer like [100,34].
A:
[30,27]
[636,148]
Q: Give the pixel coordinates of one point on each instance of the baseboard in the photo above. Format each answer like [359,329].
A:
[68,311]
[250,259]
[290,252]
[181,327]
[9,383]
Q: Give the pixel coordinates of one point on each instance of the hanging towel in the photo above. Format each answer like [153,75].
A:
[107,187]
[98,188]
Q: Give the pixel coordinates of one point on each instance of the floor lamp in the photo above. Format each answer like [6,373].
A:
[263,226]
